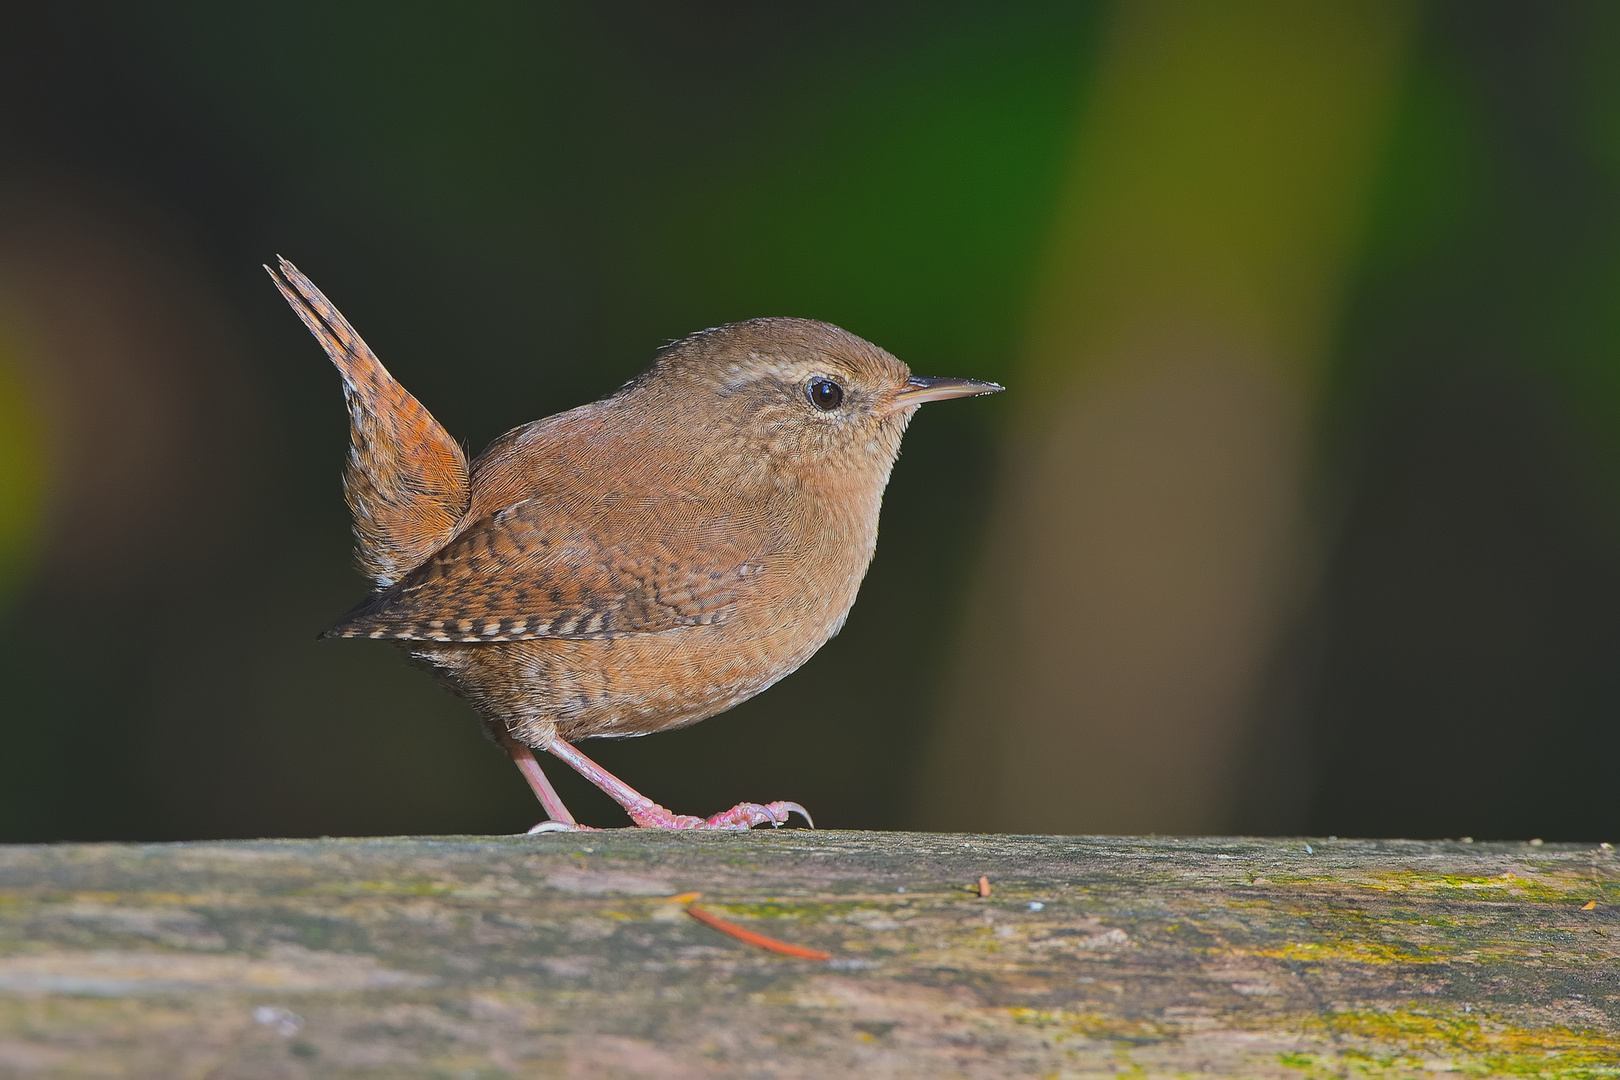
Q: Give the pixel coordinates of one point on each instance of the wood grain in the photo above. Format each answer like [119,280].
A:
[562,955]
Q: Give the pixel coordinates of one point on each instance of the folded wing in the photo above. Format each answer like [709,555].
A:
[525,573]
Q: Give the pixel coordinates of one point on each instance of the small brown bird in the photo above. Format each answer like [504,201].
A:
[633,565]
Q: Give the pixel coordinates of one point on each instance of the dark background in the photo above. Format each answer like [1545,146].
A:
[518,205]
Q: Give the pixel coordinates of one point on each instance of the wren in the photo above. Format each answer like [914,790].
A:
[636,564]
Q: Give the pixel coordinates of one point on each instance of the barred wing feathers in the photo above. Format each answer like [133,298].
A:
[526,572]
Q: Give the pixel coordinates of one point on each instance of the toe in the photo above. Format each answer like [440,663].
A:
[659,818]
[743,816]
[747,815]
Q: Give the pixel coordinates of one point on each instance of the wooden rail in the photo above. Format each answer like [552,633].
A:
[562,955]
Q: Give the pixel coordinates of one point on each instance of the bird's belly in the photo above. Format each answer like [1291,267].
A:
[637,684]
[632,685]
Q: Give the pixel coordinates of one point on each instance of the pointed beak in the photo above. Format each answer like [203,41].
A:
[921,388]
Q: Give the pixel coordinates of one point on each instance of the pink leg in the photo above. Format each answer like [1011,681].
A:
[523,758]
[649,815]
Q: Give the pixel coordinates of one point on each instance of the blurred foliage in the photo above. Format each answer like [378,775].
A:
[22,471]
[1462,653]
[517,204]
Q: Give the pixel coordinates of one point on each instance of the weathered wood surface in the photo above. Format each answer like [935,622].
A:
[559,955]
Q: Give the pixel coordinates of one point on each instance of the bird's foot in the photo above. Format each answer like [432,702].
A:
[743,816]
[649,815]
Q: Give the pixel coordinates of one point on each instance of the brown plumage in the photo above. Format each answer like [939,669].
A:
[406,483]
[632,565]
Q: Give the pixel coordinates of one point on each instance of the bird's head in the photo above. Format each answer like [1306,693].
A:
[802,398]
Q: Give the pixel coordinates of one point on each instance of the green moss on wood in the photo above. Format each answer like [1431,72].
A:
[540,956]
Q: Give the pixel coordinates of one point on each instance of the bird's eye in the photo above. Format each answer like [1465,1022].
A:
[824,394]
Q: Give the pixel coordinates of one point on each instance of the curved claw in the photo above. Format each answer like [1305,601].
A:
[786,808]
[558,826]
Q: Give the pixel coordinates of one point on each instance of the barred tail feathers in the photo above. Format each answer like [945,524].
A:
[406,482]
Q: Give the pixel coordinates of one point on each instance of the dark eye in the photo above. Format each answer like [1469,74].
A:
[825,394]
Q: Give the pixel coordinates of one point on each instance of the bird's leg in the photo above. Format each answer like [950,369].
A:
[649,815]
[523,758]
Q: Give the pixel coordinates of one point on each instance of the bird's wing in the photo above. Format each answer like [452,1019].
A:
[530,571]
[406,482]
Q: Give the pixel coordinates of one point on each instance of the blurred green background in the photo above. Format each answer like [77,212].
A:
[1301,514]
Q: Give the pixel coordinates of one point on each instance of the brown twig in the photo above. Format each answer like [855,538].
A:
[731,928]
